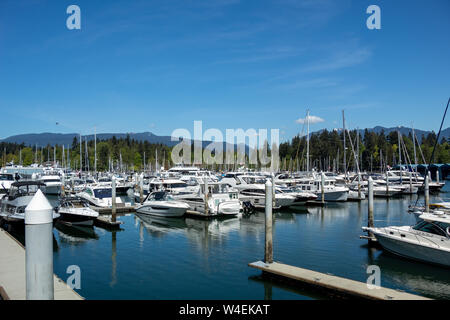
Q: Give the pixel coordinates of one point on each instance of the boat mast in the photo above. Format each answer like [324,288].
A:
[414,144]
[95,151]
[400,156]
[307,142]
[81,159]
[345,150]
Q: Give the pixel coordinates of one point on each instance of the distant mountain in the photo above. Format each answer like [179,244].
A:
[43,139]
[46,138]
[445,133]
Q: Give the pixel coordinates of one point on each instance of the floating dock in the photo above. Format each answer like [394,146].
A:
[105,222]
[198,214]
[119,209]
[12,273]
[333,284]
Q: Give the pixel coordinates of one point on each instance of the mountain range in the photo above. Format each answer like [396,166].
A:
[46,138]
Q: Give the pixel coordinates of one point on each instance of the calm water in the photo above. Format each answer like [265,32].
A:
[155,258]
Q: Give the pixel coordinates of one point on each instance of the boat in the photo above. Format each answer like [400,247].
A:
[99,195]
[428,241]
[162,204]
[222,200]
[76,211]
[301,197]
[6,180]
[21,193]
[52,183]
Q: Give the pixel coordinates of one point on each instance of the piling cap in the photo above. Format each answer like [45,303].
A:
[268,183]
[39,210]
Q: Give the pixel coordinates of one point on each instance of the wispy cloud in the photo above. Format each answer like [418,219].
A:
[340,60]
[312,120]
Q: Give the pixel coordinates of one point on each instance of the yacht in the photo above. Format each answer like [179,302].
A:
[6,180]
[99,195]
[162,204]
[256,195]
[222,200]
[332,192]
[427,241]
[20,194]
[76,211]
[52,183]
[301,197]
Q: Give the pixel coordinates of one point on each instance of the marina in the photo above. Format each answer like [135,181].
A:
[215,253]
[235,157]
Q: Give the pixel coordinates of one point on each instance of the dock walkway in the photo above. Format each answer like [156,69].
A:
[12,272]
[332,283]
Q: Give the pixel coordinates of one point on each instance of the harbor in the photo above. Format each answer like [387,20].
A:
[224,158]
[149,257]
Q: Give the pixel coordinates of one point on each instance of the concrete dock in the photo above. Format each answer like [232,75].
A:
[119,209]
[333,284]
[12,272]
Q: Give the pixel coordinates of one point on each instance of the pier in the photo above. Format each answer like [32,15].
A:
[325,283]
[12,273]
[332,284]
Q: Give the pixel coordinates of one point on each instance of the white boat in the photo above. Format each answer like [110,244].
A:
[52,183]
[99,196]
[162,204]
[20,194]
[6,180]
[76,211]
[301,197]
[427,241]
[332,192]
[222,200]
[256,195]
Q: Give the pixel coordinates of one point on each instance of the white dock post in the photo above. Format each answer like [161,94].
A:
[410,182]
[63,185]
[141,188]
[359,185]
[427,194]
[437,175]
[387,184]
[113,199]
[268,252]
[322,184]
[370,207]
[206,196]
[39,248]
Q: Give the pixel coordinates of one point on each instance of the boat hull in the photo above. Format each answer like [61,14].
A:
[161,210]
[414,251]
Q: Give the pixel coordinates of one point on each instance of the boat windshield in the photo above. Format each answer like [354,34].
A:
[160,196]
[429,227]
[103,193]
[6,177]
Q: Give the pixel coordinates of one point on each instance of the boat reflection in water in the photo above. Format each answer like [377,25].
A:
[421,278]
[74,235]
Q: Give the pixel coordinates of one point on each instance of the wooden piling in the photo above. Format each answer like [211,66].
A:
[113,200]
[268,252]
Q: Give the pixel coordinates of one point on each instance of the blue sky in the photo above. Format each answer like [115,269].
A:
[159,65]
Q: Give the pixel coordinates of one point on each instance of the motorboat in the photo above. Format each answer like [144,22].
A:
[427,241]
[6,180]
[301,197]
[76,211]
[162,204]
[99,195]
[256,195]
[53,184]
[222,200]
[20,195]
